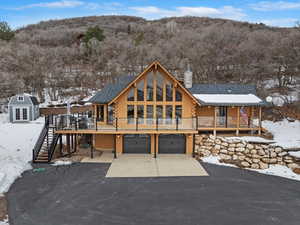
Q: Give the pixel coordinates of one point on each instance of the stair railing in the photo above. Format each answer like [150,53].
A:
[38,145]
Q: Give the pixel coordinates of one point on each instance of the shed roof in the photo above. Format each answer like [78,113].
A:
[34,100]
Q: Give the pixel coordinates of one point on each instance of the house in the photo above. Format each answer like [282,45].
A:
[23,108]
[154,113]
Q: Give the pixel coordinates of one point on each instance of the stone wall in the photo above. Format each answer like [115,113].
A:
[243,154]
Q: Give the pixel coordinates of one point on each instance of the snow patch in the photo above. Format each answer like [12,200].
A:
[16,143]
[61,163]
[286,134]
[228,98]
[215,160]
[295,154]
[251,139]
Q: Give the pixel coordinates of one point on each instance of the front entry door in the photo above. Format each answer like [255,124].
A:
[222,116]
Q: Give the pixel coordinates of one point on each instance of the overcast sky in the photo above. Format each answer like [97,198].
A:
[275,13]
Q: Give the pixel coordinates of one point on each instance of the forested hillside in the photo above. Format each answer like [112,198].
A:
[73,56]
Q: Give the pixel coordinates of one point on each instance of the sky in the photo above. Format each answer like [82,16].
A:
[280,13]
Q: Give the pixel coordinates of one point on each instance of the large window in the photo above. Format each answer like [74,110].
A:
[159,113]
[178,111]
[140,91]
[130,114]
[178,96]
[149,114]
[169,114]
[130,96]
[169,92]
[140,113]
[110,114]
[100,113]
[150,86]
[159,87]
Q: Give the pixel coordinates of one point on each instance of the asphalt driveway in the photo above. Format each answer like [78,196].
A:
[81,195]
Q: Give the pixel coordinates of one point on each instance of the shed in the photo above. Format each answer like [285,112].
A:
[23,108]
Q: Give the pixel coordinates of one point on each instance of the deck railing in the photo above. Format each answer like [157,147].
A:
[227,122]
[70,122]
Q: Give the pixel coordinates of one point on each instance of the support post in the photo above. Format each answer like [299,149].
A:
[115,147]
[193,145]
[260,118]
[60,145]
[68,145]
[156,123]
[155,146]
[215,122]
[238,121]
[92,151]
[136,124]
[75,142]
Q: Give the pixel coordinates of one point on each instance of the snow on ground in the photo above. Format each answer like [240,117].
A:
[251,139]
[295,154]
[286,134]
[61,163]
[16,144]
[5,222]
[275,170]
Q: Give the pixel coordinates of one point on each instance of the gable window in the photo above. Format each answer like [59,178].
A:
[169,92]
[150,86]
[140,91]
[130,114]
[178,111]
[178,96]
[159,113]
[159,87]
[169,114]
[21,98]
[130,96]
[140,113]
[149,114]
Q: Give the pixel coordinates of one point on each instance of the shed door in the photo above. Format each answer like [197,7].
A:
[171,143]
[137,143]
[21,114]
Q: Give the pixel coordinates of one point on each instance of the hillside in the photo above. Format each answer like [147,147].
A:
[51,56]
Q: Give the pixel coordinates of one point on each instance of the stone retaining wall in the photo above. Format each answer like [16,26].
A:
[243,154]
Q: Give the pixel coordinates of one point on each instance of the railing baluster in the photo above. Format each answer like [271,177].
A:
[176,123]
[156,123]
[136,124]
[116,124]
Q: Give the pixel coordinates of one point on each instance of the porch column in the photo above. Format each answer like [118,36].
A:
[215,122]
[260,117]
[238,121]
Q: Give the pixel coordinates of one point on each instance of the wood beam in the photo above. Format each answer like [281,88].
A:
[215,121]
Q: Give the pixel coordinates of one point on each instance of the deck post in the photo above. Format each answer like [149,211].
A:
[115,146]
[260,117]
[75,142]
[215,121]
[60,145]
[193,145]
[68,145]
[238,121]
[92,151]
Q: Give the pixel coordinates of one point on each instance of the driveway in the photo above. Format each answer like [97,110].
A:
[81,195]
[165,165]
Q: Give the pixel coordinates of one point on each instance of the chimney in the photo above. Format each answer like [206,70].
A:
[188,78]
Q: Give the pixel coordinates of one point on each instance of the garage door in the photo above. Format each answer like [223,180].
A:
[137,143]
[171,143]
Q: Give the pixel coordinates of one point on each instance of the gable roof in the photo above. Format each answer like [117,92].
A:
[110,91]
[155,64]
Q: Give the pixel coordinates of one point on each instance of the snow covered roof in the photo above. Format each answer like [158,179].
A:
[229,99]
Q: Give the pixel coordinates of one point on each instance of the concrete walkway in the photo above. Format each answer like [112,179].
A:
[144,165]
